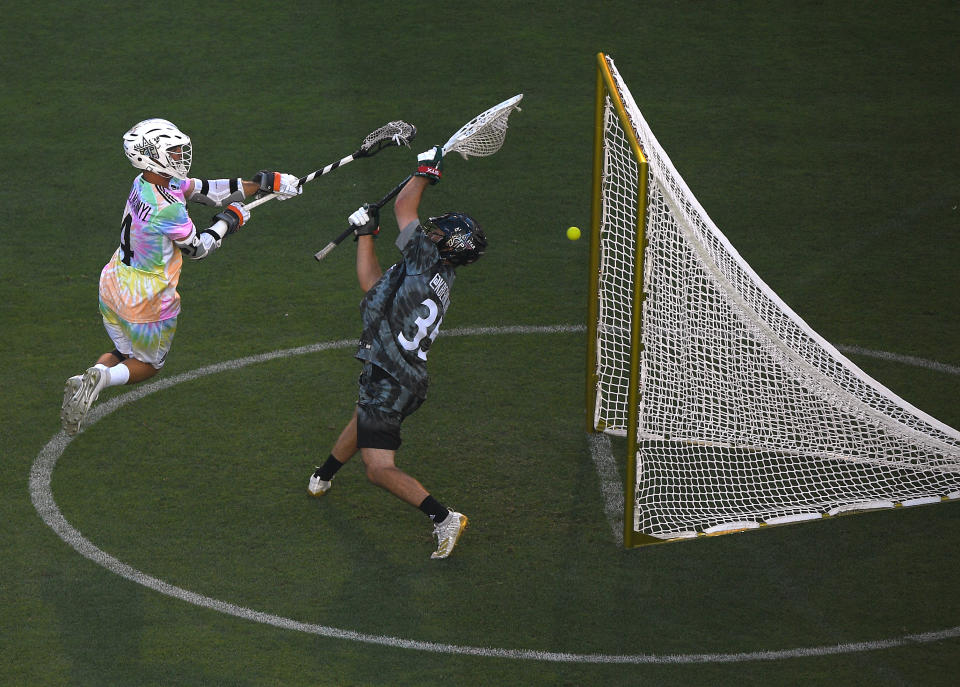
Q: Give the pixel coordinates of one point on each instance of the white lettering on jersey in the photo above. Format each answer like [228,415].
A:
[442,289]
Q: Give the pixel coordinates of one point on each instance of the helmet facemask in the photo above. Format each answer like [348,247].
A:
[179,158]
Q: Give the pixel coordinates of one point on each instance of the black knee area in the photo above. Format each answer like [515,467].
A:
[118,355]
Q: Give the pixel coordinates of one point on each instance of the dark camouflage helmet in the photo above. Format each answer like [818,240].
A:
[459,238]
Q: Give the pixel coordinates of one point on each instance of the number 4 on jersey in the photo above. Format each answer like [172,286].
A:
[125,239]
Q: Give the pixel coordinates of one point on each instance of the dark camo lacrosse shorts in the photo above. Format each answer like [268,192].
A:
[381,408]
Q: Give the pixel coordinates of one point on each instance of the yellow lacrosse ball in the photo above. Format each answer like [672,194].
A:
[573,233]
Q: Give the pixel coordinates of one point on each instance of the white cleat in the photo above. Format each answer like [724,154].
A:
[70,390]
[447,533]
[77,405]
[318,487]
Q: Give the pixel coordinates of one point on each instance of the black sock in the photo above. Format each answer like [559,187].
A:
[435,509]
[328,469]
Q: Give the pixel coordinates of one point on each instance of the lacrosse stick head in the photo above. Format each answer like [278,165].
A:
[398,133]
[484,134]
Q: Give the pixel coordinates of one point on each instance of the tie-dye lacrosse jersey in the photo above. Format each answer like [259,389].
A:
[139,283]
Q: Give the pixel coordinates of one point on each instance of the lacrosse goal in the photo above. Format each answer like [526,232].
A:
[737,415]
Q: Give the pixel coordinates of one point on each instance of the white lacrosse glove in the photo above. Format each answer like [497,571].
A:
[285,186]
[235,215]
[430,164]
[365,221]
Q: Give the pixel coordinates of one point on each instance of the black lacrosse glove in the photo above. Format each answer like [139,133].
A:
[285,186]
[365,221]
[235,215]
[430,164]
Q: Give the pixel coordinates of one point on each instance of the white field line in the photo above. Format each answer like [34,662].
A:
[41,495]
[611,483]
[904,359]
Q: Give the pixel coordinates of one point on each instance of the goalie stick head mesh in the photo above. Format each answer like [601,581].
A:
[484,134]
[460,239]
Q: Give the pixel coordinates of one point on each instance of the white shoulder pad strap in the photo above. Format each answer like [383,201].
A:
[217,192]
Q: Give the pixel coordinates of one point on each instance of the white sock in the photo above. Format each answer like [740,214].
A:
[116,375]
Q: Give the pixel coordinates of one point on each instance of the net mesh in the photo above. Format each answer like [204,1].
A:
[745,414]
[484,134]
[395,133]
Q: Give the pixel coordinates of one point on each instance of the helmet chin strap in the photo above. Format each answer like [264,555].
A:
[156,178]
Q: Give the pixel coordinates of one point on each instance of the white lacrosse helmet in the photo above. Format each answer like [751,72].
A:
[158,146]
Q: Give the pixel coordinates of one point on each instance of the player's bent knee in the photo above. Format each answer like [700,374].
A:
[379,464]
[375,474]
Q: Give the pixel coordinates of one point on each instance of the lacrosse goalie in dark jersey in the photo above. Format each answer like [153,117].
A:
[402,311]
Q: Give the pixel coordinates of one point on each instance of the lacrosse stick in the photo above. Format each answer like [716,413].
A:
[391,134]
[481,136]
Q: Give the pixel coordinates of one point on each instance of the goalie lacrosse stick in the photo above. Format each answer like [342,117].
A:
[395,133]
[481,136]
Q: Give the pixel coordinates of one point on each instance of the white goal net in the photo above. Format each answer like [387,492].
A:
[743,415]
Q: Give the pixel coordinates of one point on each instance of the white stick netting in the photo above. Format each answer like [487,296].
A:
[484,134]
[395,133]
[745,414]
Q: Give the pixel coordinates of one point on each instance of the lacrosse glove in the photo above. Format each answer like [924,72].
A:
[430,164]
[235,215]
[286,186]
[366,221]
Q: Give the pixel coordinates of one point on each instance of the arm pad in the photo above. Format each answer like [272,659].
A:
[216,192]
[198,246]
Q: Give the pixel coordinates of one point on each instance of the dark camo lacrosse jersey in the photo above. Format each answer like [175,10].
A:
[402,312]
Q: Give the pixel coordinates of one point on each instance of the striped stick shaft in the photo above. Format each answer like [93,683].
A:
[326,170]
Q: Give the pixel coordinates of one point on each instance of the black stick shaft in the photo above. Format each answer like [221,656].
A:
[321,254]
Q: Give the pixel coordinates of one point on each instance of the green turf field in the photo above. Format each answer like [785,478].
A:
[822,139]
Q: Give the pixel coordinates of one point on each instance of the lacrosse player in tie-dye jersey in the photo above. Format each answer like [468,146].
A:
[139,302]
[402,310]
